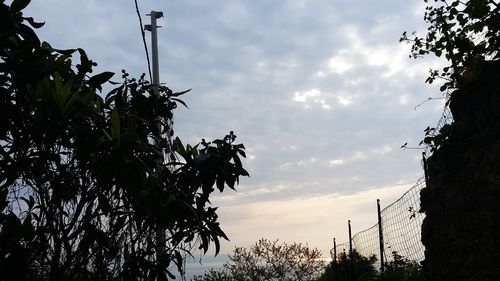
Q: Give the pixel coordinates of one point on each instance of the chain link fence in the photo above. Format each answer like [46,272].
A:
[399,229]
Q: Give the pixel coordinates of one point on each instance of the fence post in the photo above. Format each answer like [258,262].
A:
[380,236]
[335,267]
[334,251]
[351,262]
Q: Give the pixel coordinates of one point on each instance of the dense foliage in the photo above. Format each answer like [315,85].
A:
[340,269]
[398,269]
[401,269]
[464,32]
[267,261]
[85,193]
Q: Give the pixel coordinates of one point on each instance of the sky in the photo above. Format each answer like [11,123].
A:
[320,92]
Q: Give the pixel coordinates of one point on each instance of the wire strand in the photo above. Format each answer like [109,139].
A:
[143,34]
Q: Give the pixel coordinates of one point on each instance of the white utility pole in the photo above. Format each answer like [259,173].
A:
[154,47]
[160,234]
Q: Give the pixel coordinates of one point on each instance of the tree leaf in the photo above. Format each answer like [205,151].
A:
[244,173]
[33,23]
[217,244]
[242,153]
[18,5]
[97,80]
[179,147]
[220,183]
[179,101]
[60,91]
[115,124]
[181,93]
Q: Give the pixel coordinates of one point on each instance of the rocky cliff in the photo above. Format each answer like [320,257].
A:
[461,231]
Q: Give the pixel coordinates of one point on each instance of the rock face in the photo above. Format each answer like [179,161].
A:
[461,231]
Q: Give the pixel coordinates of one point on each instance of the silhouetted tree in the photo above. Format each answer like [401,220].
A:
[467,34]
[464,32]
[267,261]
[84,192]
[340,270]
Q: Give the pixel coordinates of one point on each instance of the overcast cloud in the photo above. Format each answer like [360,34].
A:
[320,92]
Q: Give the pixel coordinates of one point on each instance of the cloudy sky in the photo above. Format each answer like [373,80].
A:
[320,92]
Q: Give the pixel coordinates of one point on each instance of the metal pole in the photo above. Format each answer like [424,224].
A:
[154,48]
[153,28]
[380,236]
[335,266]
[334,251]
[160,233]
[351,262]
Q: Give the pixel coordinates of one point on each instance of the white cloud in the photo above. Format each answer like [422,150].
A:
[390,57]
[379,56]
[404,99]
[233,15]
[344,100]
[302,163]
[382,150]
[360,155]
[369,153]
[313,96]
[339,64]
[320,74]
[305,96]
[336,162]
